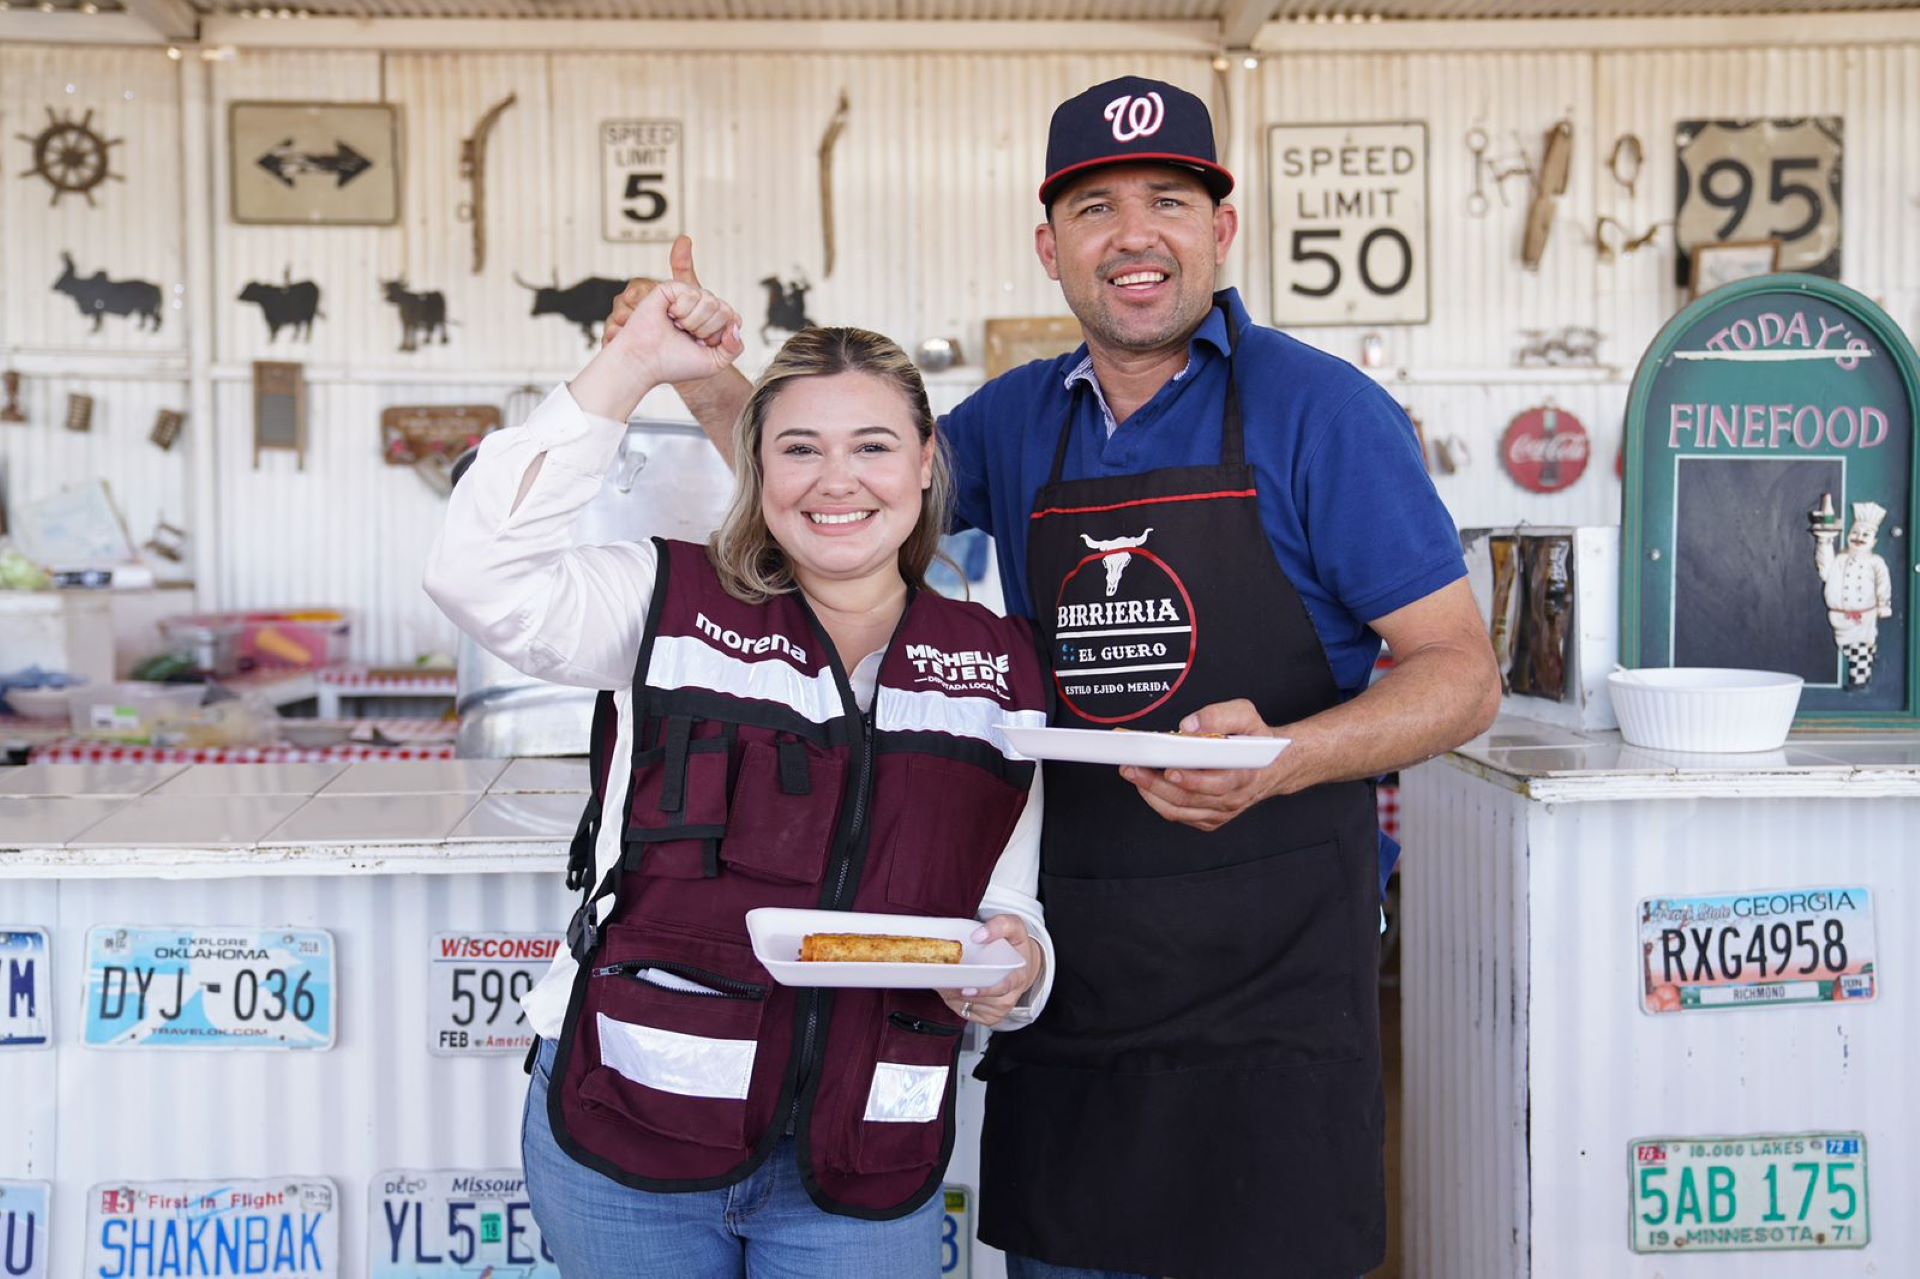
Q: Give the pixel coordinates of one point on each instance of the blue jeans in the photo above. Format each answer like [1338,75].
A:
[764,1227]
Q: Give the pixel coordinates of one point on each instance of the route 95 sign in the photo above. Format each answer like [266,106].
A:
[1747,180]
[640,166]
[1349,218]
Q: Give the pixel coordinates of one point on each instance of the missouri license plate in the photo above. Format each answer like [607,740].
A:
[1764,1193]
[210,988]
[25,1012]
[474,985]
[423,1224]
[23,1229]
[273,1226]
[1757,950]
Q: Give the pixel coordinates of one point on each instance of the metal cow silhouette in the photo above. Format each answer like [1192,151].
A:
[786,305]
[586,303]
[100,297]
[421,314]
[287,305]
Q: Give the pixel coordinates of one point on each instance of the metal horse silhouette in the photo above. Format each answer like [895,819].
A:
[786,304]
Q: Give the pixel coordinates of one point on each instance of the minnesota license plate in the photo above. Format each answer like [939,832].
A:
[1757,950]
[23,1229]
[274,1226]
[210,988]
[474,985]
[25,1012]
[423,1224]
[956,1233]
[1764,1193]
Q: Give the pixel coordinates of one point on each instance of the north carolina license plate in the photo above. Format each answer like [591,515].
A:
[422,1224]
[23,1229]
[209,988]
[25,1011]
[1757,950]
[1764,1193]
[273,1226]
[474,985]
[956,1233]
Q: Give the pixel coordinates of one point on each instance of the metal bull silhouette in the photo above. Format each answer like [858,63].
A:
[786,305]
[421,314]
[99,297]
[586,302]
[287,305]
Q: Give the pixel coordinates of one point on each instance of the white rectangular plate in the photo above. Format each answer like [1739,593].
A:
[1144,750]
[777,930]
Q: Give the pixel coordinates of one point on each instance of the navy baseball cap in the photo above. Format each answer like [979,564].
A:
[1132,120]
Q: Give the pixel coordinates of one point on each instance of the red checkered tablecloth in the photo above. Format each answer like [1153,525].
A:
[406,739]
[1387,799]
[362,679]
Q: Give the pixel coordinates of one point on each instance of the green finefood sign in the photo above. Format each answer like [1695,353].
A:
[1770,499]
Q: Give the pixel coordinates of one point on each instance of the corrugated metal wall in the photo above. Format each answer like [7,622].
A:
[933,183]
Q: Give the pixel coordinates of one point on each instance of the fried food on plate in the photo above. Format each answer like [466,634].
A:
[877,948]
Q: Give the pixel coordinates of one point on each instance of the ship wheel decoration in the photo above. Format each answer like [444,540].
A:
[70,155]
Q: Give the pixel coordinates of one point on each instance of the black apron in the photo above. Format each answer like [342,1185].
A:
[1202,1095]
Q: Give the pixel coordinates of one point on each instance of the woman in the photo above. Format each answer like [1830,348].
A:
[789,721]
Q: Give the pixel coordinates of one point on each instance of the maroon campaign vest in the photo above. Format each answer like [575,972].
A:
[755,780]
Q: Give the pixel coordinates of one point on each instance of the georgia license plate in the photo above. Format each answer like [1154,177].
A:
[956,1233]
[24,1008]
[273,1226]
[1763,1193]
[1757,950]
[474,985]
[423,1224]
[23,1229]
[209,988]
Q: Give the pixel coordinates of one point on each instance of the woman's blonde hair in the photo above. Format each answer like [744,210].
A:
[752,566]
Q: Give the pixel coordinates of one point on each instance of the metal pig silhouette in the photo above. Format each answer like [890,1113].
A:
[286,305]
[100,297]
[786,305]
[585,303]
[421,314]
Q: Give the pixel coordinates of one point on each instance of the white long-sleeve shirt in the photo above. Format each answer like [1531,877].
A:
[513,578]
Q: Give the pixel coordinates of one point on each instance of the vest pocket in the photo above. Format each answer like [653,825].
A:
[917,1045]
[678,811]
[783,826]
[948,835]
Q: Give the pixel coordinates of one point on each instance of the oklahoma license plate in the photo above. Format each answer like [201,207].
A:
[474,985]
[423,1224]
[1757,950]
[23,1229]
[1764,1193]
[209,988]
[25,1011]
[274,1226]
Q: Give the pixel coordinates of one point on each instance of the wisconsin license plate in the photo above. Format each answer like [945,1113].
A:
[956,1233]
[23,1229]
[1757,950]
[210,988]
[1764,1193]
[422,1224]
[274,1226]
[474,985]
[25,1011]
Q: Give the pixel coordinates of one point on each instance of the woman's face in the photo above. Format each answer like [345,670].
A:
[844,469]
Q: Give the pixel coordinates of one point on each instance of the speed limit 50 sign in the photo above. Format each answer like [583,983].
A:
[640,166]
[1348,206]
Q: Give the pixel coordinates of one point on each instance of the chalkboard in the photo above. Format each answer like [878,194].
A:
[1770,496]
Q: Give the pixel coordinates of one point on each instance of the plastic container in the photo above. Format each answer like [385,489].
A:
[284,639]
[1706,709]
[130,710]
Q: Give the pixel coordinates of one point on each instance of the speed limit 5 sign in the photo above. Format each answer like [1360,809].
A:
[1348,210]
[641,167]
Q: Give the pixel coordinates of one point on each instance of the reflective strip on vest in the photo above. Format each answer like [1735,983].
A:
[690,1065]
[905,1094]
[687,661]
[917,711]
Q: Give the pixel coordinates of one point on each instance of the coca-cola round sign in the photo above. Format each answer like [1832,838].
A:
[1545,449]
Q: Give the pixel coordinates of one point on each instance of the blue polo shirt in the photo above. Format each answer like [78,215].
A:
[1344,494]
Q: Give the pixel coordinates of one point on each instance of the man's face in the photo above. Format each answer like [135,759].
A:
[1135,248]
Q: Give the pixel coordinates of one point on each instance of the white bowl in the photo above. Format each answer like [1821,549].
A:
[1704,708]
[39,703]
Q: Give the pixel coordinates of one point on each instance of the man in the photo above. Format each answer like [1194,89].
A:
[1203,1096]
[1858,589]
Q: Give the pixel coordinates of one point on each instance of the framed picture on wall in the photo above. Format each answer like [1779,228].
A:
[314,163]
[1718,264]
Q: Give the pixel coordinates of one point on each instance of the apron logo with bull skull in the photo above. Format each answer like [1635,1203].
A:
[1123,630]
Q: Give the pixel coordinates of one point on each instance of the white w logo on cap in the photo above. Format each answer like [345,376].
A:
[1133,117]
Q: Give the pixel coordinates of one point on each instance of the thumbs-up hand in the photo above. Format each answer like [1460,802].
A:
[679,259]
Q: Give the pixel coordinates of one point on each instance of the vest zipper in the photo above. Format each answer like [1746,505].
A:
[718,986]
[920,1025]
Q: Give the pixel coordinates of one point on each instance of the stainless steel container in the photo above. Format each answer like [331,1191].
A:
[668,481]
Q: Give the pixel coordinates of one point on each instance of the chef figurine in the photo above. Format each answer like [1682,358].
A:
[1859,590]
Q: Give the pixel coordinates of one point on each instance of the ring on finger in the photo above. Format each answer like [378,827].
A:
[966,1010]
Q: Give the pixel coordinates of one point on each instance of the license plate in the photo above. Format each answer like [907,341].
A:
[273,1226]
[1764,1193]
[210,988]
[25,1011]
[423,1224]
[23,1229]
[956,1233]
[1757,950]
[474,985]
